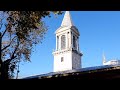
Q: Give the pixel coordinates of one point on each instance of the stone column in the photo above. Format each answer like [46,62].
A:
[60,42]
[77,44]
[71,40]
[56,43]
[66,36]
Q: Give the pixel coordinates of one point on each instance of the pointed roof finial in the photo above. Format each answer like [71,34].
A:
[67,21]
[104,59]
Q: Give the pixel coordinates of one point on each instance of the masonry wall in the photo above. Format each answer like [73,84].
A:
[76,61]
[66,64]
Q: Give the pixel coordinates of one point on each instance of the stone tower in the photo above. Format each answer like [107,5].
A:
[67,55]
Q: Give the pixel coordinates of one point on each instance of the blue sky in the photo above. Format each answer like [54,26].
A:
[99,31]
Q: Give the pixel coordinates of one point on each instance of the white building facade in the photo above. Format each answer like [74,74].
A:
[111,62]
[67,55]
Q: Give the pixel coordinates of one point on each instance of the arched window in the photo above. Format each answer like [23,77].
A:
[63,42]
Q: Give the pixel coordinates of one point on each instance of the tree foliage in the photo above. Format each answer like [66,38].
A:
[20,31]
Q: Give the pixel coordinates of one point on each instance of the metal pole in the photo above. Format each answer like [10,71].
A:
[0,44]
[0,55]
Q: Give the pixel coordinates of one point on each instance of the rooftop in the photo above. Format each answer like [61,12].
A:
[97,72]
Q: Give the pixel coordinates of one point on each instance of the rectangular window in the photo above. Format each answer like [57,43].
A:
[62,59]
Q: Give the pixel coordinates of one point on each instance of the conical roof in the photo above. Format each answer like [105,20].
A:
[67,21]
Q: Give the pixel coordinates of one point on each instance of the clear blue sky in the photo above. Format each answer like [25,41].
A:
[99,31]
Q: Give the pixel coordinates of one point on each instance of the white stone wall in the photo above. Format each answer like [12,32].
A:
[76,61]
[66,64]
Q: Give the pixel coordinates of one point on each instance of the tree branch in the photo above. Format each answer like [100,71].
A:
[9,44]
[4,33]
[1,24]
[12,57]
[13,54]
[7,27]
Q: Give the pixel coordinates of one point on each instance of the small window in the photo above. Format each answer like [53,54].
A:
[62,59]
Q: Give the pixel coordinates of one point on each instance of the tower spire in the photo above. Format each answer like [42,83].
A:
[104,59]
[67,55]
[67,21]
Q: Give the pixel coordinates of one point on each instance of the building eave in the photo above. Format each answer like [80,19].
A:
[98,72]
